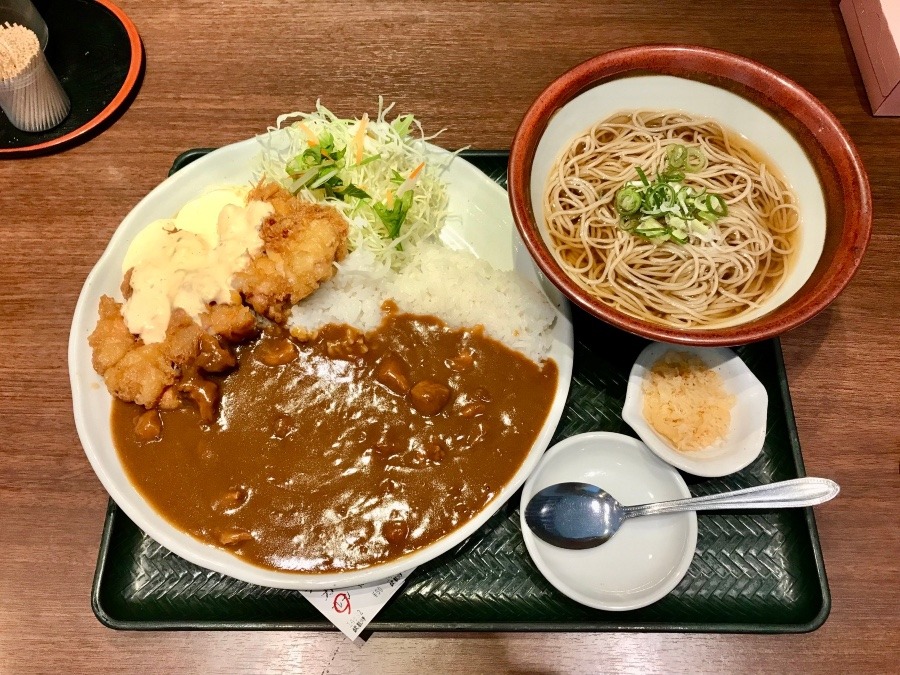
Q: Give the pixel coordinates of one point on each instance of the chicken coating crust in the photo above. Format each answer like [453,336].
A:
[231,322]
[132,370]
[301,241]
[151,374]
[111,339]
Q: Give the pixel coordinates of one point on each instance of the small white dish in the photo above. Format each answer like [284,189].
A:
[648,556]
[747,431]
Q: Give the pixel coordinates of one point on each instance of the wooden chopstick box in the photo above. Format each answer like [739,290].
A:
[874,30]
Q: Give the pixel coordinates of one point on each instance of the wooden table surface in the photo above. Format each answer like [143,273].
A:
[218,72]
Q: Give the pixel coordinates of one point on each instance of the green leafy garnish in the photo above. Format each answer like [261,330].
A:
[665,210]
[403,124]
[380,173]
[393,216]
[319,167]
[369,159]
[352,191]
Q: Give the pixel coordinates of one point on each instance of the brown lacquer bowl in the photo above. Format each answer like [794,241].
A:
[804,140]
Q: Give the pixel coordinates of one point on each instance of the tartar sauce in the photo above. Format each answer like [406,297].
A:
[188,261]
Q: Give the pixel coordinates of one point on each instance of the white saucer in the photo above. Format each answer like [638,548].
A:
[648,556]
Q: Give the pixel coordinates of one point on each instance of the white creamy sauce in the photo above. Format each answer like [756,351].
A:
[188,261]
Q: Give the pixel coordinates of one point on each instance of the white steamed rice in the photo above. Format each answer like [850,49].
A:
[454,286]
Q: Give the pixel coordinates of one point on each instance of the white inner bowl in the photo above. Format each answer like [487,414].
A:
[663,92]
[746,432]
[479,220]
[648,556]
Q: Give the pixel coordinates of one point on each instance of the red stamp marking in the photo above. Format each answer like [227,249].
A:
[341,603]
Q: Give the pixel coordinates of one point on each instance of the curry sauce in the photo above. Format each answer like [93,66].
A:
[345,450]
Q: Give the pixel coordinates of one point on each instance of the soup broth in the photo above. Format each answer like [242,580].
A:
[671,219]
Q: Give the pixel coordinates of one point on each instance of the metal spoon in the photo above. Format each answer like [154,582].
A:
[580,515]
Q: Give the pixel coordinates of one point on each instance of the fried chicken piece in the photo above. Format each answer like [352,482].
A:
[156,374]
[231,322]
[301,241]
[111,339]
[137,372]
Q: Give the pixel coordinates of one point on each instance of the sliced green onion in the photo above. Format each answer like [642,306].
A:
[369,159]
[676,155]
[695,161]
[302,179]
[716,205]
[651,227]
[657,196]
[628,201]
[323,179]
[697,227]
[672,176]
[643,176]
[685,209]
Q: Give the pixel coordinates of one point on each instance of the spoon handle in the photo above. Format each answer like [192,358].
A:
[788,493]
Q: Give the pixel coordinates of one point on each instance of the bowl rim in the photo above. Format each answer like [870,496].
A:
[688,61]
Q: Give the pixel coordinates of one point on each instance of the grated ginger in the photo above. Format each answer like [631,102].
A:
[686,403]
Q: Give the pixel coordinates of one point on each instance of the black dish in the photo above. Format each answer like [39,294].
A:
[96,53]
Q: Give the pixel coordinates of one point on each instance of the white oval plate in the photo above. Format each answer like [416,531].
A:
[648,556]
[664,92]
[746,433]
[480,221]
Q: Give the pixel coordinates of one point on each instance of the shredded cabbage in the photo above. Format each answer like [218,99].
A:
[385,179]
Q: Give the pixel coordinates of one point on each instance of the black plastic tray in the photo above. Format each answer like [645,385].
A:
[754,572]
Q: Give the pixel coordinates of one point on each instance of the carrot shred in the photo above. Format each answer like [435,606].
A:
[310,136]
[360,136]
[417,171]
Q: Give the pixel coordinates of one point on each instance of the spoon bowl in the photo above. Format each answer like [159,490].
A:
[574,515]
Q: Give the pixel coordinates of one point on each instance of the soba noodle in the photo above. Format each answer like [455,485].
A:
[697,284]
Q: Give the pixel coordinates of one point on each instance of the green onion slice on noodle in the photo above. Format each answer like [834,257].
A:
[666,210]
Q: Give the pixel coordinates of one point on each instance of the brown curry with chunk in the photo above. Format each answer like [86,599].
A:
[345,450]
